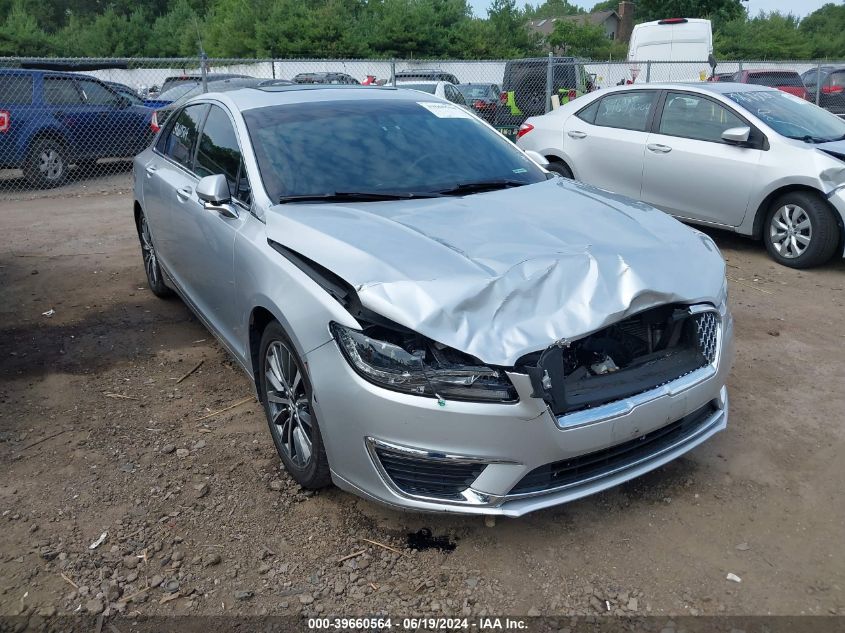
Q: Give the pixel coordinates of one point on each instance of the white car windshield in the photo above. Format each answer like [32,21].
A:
[791,116]
[382,146]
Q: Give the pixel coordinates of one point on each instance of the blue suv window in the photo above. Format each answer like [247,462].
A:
[61,91]
[16,89]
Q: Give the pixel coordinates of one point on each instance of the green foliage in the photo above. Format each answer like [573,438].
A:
[382,28]
[719,11]
[768,36]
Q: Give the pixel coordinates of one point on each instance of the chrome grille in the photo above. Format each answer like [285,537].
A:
[707,330]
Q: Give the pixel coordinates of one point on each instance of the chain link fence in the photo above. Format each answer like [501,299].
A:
[69,124]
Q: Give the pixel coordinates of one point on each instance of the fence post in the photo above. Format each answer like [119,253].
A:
[740,69]
[204,70]
[648,71]
[393,72]
[818,81]
[549,75]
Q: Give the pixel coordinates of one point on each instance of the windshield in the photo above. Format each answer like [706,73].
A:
[386,146]
[775,79]
[429,88]
[471,91]
[791,116]
[171,94]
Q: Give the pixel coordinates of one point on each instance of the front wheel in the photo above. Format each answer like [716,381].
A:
[800,230]
[287,397]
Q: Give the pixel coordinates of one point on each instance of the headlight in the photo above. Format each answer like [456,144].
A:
[413,364]
[722,298]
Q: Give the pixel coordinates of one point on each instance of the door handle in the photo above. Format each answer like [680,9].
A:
[184,193]
[577,134]
[150,169]
[658,149]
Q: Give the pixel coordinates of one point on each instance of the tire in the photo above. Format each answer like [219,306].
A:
[559,167]
[46,164]
[293,424]
[800,230]
[155,278]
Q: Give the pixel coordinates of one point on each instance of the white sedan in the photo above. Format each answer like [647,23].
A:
[741,157]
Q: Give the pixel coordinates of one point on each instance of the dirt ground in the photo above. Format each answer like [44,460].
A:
[98,435]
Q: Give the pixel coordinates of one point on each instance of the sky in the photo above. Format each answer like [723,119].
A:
[796,7]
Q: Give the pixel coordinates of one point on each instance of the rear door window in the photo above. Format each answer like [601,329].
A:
[626,110]
[61,91]
[182,138]
[16,89]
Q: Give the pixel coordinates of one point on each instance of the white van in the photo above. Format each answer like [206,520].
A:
[673,40]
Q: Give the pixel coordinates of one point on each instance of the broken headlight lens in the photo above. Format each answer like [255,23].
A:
[415,365]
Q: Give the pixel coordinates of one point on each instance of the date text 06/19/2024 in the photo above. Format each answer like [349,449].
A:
[416,624]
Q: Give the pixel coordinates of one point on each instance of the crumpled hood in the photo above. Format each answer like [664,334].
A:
[501,274]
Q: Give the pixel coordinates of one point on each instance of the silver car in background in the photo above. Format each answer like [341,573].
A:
[430,319]
[741,157]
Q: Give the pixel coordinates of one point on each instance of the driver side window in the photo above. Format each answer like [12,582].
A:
[218,152]
[96,94]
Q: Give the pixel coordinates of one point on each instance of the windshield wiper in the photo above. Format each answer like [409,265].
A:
[807,138]
[356,196]
[481,185]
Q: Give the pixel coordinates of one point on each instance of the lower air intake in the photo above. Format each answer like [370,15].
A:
[428,477]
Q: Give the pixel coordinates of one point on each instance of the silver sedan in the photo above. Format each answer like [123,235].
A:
[431,319]
[741,157]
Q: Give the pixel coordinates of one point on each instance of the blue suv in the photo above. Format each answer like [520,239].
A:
[49,120]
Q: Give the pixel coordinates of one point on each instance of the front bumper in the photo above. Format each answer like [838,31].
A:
[837,199]
[510,440]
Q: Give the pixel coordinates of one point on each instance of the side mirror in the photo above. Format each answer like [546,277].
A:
[214,193]
[537,157]
[736,135]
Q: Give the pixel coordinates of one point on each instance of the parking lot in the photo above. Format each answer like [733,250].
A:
[106,429]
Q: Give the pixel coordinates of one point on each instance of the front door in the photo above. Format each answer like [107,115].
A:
[689,171]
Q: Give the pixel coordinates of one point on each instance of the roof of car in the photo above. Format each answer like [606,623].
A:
[251,98]
[422,82]
[717,87]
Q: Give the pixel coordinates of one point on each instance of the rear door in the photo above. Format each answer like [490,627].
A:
[605,141]
[64,102]
[170,180]
[689,171]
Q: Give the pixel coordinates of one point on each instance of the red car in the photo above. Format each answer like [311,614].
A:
[786,80]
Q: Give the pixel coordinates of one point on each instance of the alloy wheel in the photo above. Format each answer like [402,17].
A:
[150,260]
[790,231]
[50,164]
[288,404]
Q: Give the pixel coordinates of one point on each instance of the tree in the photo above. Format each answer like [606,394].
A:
[554,9]
[511,37]
[20,34]
[719,11]
[768,36]
[825,30]
[579,38]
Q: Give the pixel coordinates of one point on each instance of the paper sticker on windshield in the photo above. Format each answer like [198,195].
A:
[445,110]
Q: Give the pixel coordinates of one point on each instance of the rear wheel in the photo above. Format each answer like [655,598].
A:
[46,165]
[559,167]
[155,279]
[800,230]
[287,397]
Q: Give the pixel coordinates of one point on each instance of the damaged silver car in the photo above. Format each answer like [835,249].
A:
[430,319]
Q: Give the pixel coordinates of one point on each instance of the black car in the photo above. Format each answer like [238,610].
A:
[324,78]
[426,74]
[524,88]
[482,98]
[832,82]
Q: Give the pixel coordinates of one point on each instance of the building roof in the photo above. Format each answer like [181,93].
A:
[545,26]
